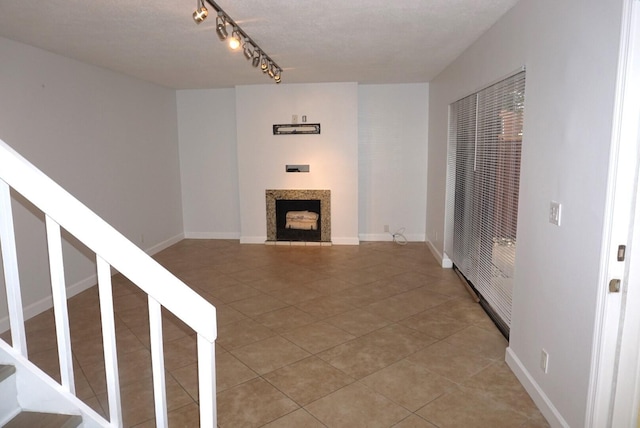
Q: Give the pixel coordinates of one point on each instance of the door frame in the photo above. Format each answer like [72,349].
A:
[613,398]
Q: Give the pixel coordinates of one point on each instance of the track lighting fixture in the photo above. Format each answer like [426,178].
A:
[248,53]
[256,58]
[238,38]
[221,26]
[201,13]
[234,42]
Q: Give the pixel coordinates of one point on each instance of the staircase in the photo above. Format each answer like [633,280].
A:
[27,394]
[14,417]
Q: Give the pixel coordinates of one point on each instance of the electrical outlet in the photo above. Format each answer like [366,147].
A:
[544,361]
[386,227]
[294,118]
[555,211]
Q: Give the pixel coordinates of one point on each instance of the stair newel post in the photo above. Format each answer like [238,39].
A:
[11,276]
[109,341]
[59,294]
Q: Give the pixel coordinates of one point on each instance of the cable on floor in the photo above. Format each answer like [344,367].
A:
[399,238]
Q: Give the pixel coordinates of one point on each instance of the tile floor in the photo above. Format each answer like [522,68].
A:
[375,335]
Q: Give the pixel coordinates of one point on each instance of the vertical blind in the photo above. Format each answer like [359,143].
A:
[485,141]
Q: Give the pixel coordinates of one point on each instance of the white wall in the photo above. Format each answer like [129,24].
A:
[209,163]
[332,155]
[570,51]
[392,157]
[110,140]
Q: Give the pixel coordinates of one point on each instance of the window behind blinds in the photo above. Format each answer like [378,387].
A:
[485,140]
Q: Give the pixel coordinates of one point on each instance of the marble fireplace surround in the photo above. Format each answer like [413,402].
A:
[324,196]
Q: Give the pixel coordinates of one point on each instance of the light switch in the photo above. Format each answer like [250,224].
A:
[555,212]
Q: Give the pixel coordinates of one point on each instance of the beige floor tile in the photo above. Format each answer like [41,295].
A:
[231,371]
[434,324]
[243,332]
[373,312]
[327,286]
[367,354]
[138,404]
[358,322]
[535,423]
[294,294]
[234,293]
[465,310]
[187,377]
[252,404]
[414,421]
[453,362]
[480,341]
[298,419]
[94,403]
[42,321]
[410,385]
[180,353]
[318,336]
[356,406]
[48,362]
[501,385]
[357,276]
[269,354]
[470,408]
[308,380]
[324,306]
[256,305]
[450,287]
[133,368]
[285,319]
[187,416]
[406,304]
[226,315]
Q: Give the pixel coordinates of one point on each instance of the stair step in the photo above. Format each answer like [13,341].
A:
[44,420]
[6,371]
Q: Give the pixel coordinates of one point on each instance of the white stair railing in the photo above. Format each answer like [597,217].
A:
[112,249]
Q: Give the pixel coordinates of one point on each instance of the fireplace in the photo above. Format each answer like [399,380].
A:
[298,216]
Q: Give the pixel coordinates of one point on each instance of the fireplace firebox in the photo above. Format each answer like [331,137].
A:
[298,220]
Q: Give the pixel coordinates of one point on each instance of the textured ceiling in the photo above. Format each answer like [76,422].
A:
[366,41]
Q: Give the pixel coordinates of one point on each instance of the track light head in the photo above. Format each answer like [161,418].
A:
[234,42]
[264,65]
[256,58]
[200,14]
[272,71]
[221,27]
[278,76]
[248,53]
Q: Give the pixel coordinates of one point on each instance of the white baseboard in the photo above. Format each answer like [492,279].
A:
[253,239]
[538,396]
[445,261]
[345,241]
[212,235]
[164,244]
[383,237]
[375,237]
